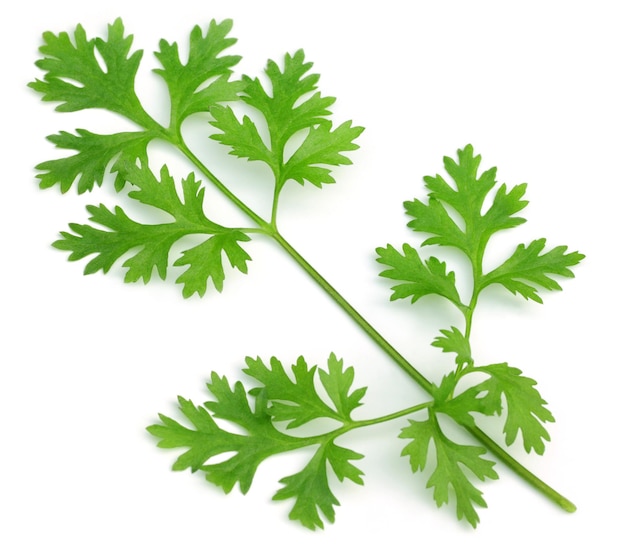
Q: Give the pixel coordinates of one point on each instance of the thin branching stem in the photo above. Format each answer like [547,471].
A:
[353,425]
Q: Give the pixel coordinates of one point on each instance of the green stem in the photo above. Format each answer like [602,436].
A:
[354,314]
[349,426]
[522,471]
[270,230]
[392,416]
[257,219]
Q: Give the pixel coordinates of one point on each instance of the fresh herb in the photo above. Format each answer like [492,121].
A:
[285,125]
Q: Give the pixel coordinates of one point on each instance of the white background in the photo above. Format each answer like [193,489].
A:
[87,362]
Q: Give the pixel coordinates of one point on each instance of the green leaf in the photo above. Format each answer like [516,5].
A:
[243,137]
[284,109]
[123,234]
[310,487]
[468,197]
[154,242]
[433,218]
[294,401]
[292,105]
[73,76]
[530,264]
[204,80]
[297,401]
[207,440]
[417,278]
[322,146]
[505,204]
[95,152]
[453,461]
[526,411]
[453,341]
[161,193]
[337,382]
[205,261]
[466,201]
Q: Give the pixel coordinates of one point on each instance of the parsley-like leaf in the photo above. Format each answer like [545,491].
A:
[417,278]
[243,137]
[283,114]
[322,147]
[205,261]
[467,200]
[120,234]
[292,105]
[526,411]
[459,406]
[310,487]
[452,463]
[294,401]
[73,76]
[337,382]
[207,439]
[203,81]
[453,341]
[297,401]
[94,153]
[530,264]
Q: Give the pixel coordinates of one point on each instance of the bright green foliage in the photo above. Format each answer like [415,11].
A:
[113,89]
[208,440]
[461,406]
[188,84]
[282,121]
[94,153]
[205,439]
[525,271]
[75,79]
[121,234]
[529,265]
[285,114]
[468,200]
[297,401]
[526,410]
[310,487]
[337,383]
[448,472]
[417,278]
[453,341]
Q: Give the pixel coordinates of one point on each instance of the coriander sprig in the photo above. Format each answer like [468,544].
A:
[287,111]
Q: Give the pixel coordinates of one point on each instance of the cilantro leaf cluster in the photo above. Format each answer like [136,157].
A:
[278,399]
[529,268]
[73,78]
